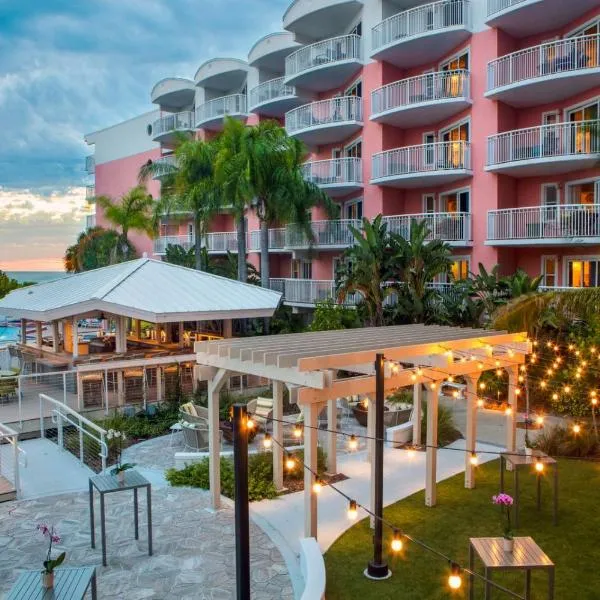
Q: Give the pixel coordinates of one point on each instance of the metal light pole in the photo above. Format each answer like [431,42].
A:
[377,568]
[242,522]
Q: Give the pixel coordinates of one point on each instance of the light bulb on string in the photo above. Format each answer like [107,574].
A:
[594,401]
[433,385]
[571,347]
[523,368]
[593,350]
[520,379]
[267,441]
[317,486]
[540,420]
[539,466]
[480,366]
[508,411]
[249,423]
[482,386]
[290,463]
[455,580]
[451,379]
[577,353]
[297,431]
[555,396]
[567,389]
[473,459]
[480,403]
[517,391]
[543,384]
[397,543]
[352,510]
[499,372]
[455,394]
[576,428]
[352,442]
[413,377]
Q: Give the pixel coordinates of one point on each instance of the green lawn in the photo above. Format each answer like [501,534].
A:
[418,575]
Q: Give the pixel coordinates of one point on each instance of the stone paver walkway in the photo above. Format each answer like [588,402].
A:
[194,555]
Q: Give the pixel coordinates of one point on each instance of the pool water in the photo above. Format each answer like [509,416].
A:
[9,334]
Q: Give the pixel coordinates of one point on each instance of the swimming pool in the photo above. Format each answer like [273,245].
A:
[8,334]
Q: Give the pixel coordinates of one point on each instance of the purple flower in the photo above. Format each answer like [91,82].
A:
[502,500]
[55,538]
[43,529]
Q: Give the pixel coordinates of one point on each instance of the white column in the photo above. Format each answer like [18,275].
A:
[168,332]
[120,388]
[38,334]
[432,440]
[75,336]
[278,434]
[124,333]
[55,337]
[181,334]
[417,412]
[511,419]
[214,438]
[227,328]
[311,412]
[471,432]
[332,425]
[159,384]
[79,392]
[24,331]
[370,429]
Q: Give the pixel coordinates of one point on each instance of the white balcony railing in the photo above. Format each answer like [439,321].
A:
[222,241]
[90,193]
[271,90]
[545,222]
[325,112]
[90,164]
[496,6]
[544,142]
[337,171]
[161,243]
[421,20]
[327,52]
[90,221]
[449,226]
[439,156]
[308,291]
[443,85]
[219,107]
[333,233]
[276,239]
[169,123]
[551,58]
[165,165]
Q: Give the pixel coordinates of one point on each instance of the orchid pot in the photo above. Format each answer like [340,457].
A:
[121,477]
[47,579]
[508,544]
[48,532]
[505,503]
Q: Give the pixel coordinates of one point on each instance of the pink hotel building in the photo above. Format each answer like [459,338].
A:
[480,116]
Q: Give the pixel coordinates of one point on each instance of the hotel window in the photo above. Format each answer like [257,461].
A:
[455,150]
[587,192]
[583,273]
[301,269]
[429,141]
[353,150]
[429,203]
[459,269]
[453,82]
[355,89]
[550,200]
[190,230]
[549,271]
[456,202]
[357,29]
[353,209]
[458,62]
[584,139]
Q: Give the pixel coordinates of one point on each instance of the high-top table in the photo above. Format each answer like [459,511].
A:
[70,583]
[526,556]
[108,484]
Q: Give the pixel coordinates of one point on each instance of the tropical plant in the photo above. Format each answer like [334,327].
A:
[95,248]
[328,316]
[49,532]
[8,284]
[178,255]
[367,266]
[132,212]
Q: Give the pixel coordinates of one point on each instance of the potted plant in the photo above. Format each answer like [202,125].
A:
[49,533]
[120,468]
[505,502]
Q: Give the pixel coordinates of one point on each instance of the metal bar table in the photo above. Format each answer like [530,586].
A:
[520,460]
[108,484]
[526,556]
[70,583]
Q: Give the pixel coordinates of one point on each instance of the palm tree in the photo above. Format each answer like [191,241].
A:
[368,267]
[96,247]
[134,211]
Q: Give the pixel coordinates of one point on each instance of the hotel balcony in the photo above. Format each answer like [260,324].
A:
[166,128]
[564,225]
[421,100]
[546,73]
[90,164]
[422,34]
[90,193]
[176,93]
[161,243]
[544,150]
[211,114]
[324,65]
[522,18]
[425,164]
[339,176]
[165,165]
[90,221]
[273,98]
[276,240]
[307,292]
[325,122]
[333,235]
[451,227]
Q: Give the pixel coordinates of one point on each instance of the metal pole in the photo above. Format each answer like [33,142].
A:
[242,522]
[377,568]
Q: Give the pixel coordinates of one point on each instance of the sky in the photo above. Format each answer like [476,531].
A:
[70,67]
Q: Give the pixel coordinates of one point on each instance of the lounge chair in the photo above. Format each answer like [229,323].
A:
[192,413]
[195,436]
[264,412]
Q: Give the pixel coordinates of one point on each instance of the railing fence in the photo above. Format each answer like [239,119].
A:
[12,457]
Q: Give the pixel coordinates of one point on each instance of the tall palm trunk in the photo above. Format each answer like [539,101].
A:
[264,254]
[198,243]
[241,248]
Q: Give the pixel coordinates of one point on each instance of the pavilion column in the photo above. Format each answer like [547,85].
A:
[227,328]
[55,337]
[138,329]
[181,334]
[417,412]
[75,336]
[278,434]
[215,385]
[24,331]
[159,384]
[311,412]
[38,334]
[511,417]
[332,425]
[432,441]
[120,388]
[168,333]
[471,432]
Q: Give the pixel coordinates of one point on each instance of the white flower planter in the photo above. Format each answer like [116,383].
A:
[508,545]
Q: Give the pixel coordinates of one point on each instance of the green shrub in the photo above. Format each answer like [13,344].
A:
[447,432]
[401,396]
[141,425]
[560,441]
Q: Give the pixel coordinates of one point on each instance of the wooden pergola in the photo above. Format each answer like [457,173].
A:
[308,364]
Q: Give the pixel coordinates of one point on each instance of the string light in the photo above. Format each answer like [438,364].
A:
[397,543]
[455,394]
[353,442]
[482,386]
[508,411]
[555,396]
[521,379]
[267,441]
[499,372]
[540,420]
[317,486]
[297,431]
[567,389]
[576,428]
[249,424]
[451,379]
[413,377]
[480,403]
[474,460]
[539,466]
[352,510]
[523,368]
[290,463]
[455,580]
[480,366]
[517,391]
[543,384]
[594,401]
[432,385]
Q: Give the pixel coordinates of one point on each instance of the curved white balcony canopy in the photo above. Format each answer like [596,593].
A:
[425,164]
[270,51]
[544,150]
[211,114]
[174,93]
[222,74]
[421,100]
[546,73]
[521,18]
[318,19]
[273,98]
[338,176]
[326,121]
[422,34]
[324,65]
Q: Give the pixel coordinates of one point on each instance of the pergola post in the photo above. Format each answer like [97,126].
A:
[215,385]
[181,334]
[332,425]
[39,339]
[417,412]
[432,441]
[370,430]
[75,336]
[24,331]
[311,412]
[168,332]
[120,388]
[471,432]
[511,416]
[278,434]
[55,337]
[227,328]
[138,329]
[159,384]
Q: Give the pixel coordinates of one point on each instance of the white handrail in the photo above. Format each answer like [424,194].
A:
[324,112]
[550,58]
[337,49]
[496,6]
[544,141]
[9,436]
[430,87]
[335,232]
[270,90]
[234,104]
[424,19]
[182,121]
[165,165]
[447,226]
[333,171]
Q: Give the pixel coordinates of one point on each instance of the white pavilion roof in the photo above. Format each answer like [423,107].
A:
[146,289]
